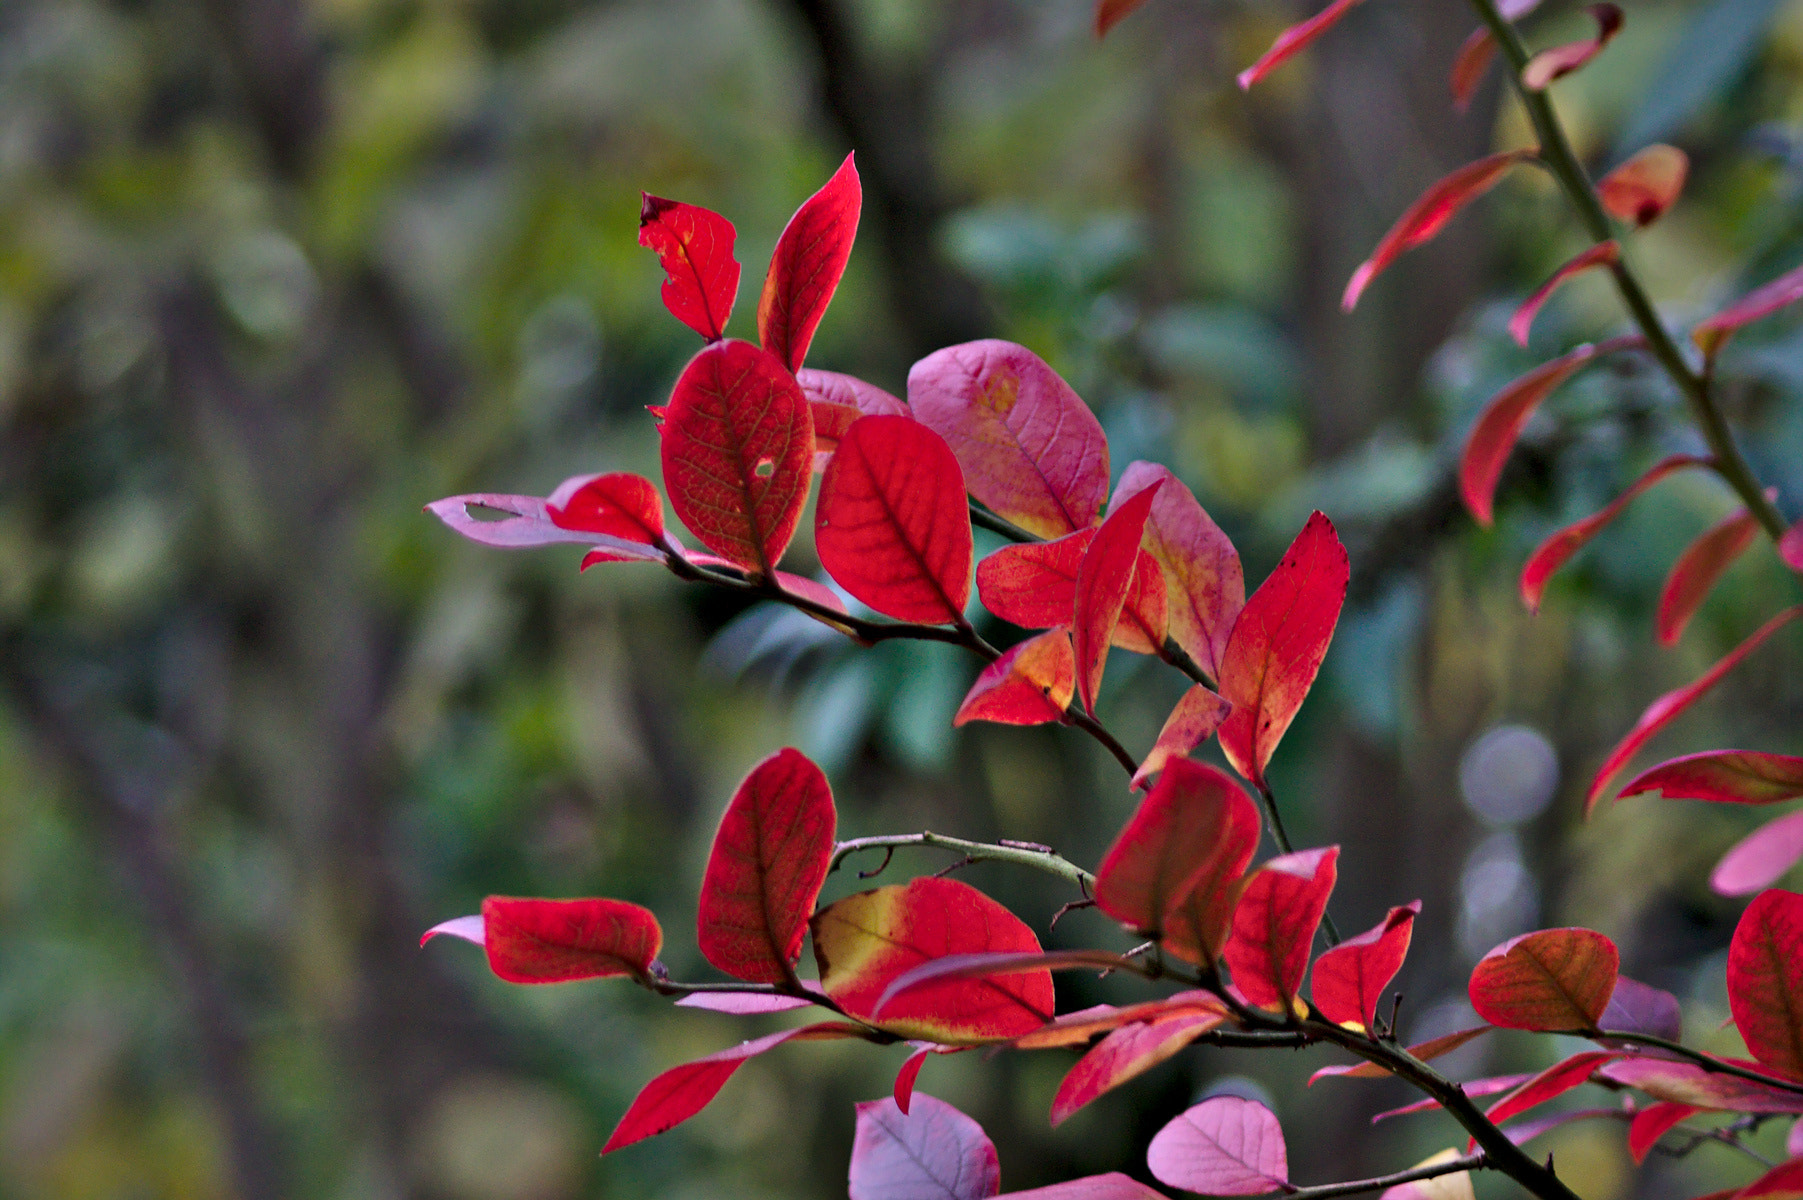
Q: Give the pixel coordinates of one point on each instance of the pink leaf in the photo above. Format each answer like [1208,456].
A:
[1500,424]
[1294,40]
[1761,858]
[1225,1146]
[1103,581]
[810,257]
[742,1004]
[933,1152]
[1698,569]
[1557,550]
[1204,585]
[1350,979]
[1429,215]
[1687,1083]
[1636,1007]
[1668,707]
[837,401]
[1030,448]
[1113,1186]
[1790,547]
[1602,254]
[1762,302]
[470,929]
[1561,61]
[1191,723]
[1473,1088]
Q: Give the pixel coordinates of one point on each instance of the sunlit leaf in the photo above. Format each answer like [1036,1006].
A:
[554,941]
[804,271]
[769,860]
[1031,684]
[1204,585]
[1640,190]
[1195,718]
[1561,61]
[1350,979]
[1030,448]
[1552,981]
[1602,254]
[694,247]
[1274,925]
[1225,1146]
[1454,1185]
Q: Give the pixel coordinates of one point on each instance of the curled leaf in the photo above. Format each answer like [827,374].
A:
[1561,61]
[1197,715]
[1350,979]
[1031,684]
[1724,776]
[1761,858]
[527,522]
[694,247]
[1697,570]
[1425,1051]
[1557,550]
[1668,707]
[804,270]
[1225,1146]
[1640,190]
[837,400]
[1602,254]
[1551,981]
[1762,302]
[1500,424]
[1294,41]
[1274,925]
[1429,215]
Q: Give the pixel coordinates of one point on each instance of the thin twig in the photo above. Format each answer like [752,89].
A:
[1697,1057]
[1040,860]
[1470,1162]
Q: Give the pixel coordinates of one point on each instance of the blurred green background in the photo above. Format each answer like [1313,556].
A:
[274,274]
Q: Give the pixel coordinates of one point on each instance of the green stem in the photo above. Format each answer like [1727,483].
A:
[1037,857]
[1556,152]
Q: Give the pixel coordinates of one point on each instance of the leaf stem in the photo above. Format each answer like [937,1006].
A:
[1478,1161]
[1040,860]
[1557,154]
[1697,1057]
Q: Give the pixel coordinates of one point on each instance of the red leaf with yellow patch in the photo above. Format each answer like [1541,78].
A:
[1125,1053]
[1668,707]
[738,452]
[892,526]
[1561,61]
[1698,569]
[805,269]
[1073,1029]
[1640,190]
[1278,643]
[767,866]
[694,246]
[1551,981]
[866,941]
[1350,979]
[1197,715]
[555,941]
[1204,585]
[1429,215]
[681,1092]
[1557,550]
[1274,925]
[1765,980]
[1104,578]
[1030,448]
[1031,684]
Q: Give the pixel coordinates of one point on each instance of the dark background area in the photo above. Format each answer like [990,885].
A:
[272,276]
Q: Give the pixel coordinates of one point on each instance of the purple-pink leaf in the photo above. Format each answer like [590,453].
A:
[1761,858]
[1790,547]
[470,929]
[932,1152]
[742,1004]
[1636,1007]
[1112,1186]
[1225,1146]
[526,522]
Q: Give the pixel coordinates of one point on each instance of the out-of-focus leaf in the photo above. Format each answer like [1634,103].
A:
[1706,57]
[1557,549]
[1601,254]
[1561,61]
[1294,41]
[1761,858]
[1762,302]
[1765,980]
[1725,777]
[1640,190]
[1697,570]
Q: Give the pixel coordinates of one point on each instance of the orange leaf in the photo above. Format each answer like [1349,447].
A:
[1552,981]
[1031,684]
[1192,722]
[1640,190]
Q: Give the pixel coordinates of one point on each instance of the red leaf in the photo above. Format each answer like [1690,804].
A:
[1782,1182]
[1601,254]
[1561,61]
[1556,1080]
[1073,1029]
[1204,586]
[1790,547]
[1668,707]
[1765,980]
[1500,424]
[907,1076]
[1278,643]
[694,246]
[1192,722]
[1110,13]
[1697,570]
[1640,190]
[620,505]
[1034,585]
[554,941]
[838,400]
[1469,68]
[892,526]
[1274,925]
[1195,829]
[934,1152]
[1426,1051]
[1652,1123]
[1030,448]
[528,523]
[804,271]
[1031,684]
[1761,302]
[1473,1088]
[1112,1186]
[1294,40]
[738,452]
[1350,979]
[1761,858]
[1551,981]
[768,863]
[1198,923]
[1428,215]
[1687,1083]
[1556,550]
[1125,1053]
[866,941]
[1225,1146]
[1103,580]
